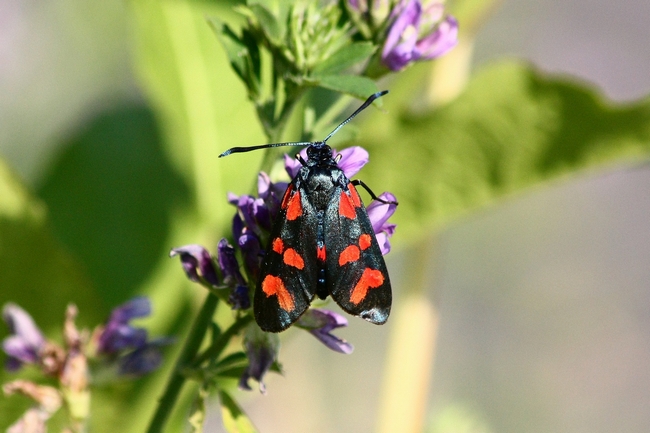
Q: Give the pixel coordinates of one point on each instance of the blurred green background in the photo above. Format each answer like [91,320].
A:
[111,118]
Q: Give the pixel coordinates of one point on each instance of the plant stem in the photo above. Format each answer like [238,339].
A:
[176,380]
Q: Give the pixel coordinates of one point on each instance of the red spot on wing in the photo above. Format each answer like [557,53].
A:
[346,206]
[278,245]
[294,208]
[349,255]
[274,286]
[370,279]
[292,258]
[355,195]
[320,253]
[365,240]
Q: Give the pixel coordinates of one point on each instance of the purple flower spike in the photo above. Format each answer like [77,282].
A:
[26,341]
[320,323]
[195,257]
[118,334]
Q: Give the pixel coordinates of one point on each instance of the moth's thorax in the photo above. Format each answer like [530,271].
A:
[320,183]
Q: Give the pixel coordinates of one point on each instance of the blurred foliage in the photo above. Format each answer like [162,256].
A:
[111,194]
[512,128]
[36,272]
[139,180]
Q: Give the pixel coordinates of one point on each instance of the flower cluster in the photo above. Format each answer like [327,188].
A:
[418,32]
[407,30]
[116,345]
[251,228]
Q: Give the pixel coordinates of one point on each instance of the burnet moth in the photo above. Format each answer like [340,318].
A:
[322,243]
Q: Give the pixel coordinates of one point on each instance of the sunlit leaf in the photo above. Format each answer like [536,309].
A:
[234,419]
[354,85]
[512,128]
[345,58]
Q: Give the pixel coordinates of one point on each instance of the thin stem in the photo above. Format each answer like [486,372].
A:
[176,380]
[215,350]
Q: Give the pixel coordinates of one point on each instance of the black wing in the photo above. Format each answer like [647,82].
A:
[356,273]
[288,274]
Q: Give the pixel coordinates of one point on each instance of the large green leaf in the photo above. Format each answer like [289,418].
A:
[513,127]
[112,196]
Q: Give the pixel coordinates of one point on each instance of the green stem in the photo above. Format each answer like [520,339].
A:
[176,380]
[215,350]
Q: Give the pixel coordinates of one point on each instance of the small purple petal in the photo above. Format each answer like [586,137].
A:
[271,193]
[396,53]
[229,264]
[140,306]
[19,351]
[195,257]
[379,212]
[27,339]
[352,160]
[118,334]
[250,246]
[144,359]
[232,198]
[443,39]
[263,185]
[262,350]
[237,226]
[293,165]
[384,244]
[320,323]
[239,298]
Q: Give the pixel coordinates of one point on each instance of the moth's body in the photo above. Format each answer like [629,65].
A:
[321,244]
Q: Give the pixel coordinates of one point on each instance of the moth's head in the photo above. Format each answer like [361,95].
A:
[319,151]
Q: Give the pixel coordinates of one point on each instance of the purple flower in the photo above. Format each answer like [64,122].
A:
[379,213]
[320,323]
[270,192]
[253,212]
[262,351]
[195,257]
[418,34]
[144,359]
[26,341]
[251,248]
[118,334]
[229,265]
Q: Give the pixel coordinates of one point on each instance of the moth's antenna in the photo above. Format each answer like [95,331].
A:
[369,101]
[262,146]
[306,143]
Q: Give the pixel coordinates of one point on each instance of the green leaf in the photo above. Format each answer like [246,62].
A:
[236,49]
[345,58]
[359,87]
[234,419]
[268,23]
[512,128]
[112,196]
[36,272]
